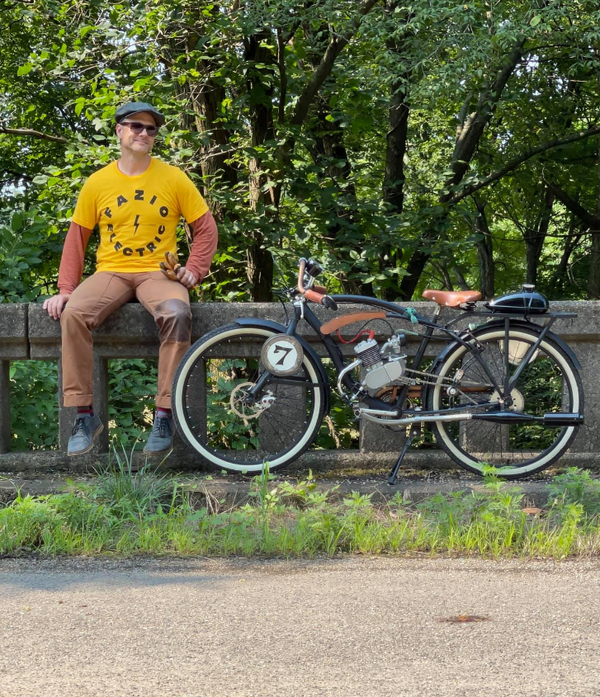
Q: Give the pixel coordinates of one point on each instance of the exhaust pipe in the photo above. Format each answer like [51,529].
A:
[499,417]
[513,418]
[563,419]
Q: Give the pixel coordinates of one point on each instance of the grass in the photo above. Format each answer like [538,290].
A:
[141,513]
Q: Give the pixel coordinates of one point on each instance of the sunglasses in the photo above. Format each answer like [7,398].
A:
[138,128]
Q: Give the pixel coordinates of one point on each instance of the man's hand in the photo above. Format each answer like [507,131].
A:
[186,278]
[56,304]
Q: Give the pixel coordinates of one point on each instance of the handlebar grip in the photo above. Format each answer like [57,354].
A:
[321,299]
[314,297]
[320,289]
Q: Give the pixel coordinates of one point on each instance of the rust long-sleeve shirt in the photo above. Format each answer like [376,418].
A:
[204,246]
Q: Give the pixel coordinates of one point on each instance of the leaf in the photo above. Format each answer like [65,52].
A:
[535,20]
[24,69]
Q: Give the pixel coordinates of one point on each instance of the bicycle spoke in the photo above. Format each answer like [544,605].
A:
[547,383]
[231,426]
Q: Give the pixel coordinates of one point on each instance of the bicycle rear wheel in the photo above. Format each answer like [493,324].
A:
[213,416]
[549,383]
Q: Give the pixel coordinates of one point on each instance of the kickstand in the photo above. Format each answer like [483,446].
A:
[412,434]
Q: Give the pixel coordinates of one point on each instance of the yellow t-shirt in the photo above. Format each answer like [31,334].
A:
[138,215]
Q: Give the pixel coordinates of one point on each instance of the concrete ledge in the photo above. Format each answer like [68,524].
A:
[26,331]
[131,329]
[14,344]
[319,461]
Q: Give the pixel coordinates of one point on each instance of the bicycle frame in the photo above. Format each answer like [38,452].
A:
[375,407]
[480,374]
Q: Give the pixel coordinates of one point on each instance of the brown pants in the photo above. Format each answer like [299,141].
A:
[97,298]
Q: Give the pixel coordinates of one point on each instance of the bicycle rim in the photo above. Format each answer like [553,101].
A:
[549,383]
[208,399]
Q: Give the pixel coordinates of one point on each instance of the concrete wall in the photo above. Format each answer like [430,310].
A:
[26,332]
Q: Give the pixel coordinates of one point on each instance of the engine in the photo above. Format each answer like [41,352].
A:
[382,366]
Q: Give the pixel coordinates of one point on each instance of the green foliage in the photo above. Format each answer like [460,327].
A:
[27,256]
[127,512]
[132,387]
[34,402]
[130,493]
[295,160]
[224,427]
[575,487]
[34,405]
[339,429]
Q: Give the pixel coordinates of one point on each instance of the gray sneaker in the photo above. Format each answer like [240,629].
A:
[161,438]
[85,431]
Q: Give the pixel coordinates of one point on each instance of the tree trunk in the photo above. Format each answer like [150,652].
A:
[395,152]
[393,187]
[590,221]
[328,145]
[205,99]
[535,236]
[260,262]
[462,281]
[594,282]
[485,254]
[441,267]
[260,271]
[467,141]
[570,244]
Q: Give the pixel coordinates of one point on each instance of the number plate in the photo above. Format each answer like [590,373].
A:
[282,355]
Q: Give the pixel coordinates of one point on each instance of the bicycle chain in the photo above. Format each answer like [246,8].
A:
[451,381]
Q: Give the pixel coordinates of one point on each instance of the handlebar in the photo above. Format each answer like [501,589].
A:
[316,294]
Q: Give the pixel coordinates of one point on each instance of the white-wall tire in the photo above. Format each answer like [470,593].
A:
[517,464]
[248,460]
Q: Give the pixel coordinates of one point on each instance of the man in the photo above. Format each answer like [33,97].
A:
[137,202]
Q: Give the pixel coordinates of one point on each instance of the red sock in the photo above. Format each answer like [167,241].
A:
[161,411]
[86,410]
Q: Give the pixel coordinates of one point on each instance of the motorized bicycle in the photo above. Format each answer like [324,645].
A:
[504,391]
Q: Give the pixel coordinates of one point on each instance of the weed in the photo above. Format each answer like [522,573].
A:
[139,512]
[132,493]
[574,486]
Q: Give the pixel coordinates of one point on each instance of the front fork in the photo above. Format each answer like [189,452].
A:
[266,377]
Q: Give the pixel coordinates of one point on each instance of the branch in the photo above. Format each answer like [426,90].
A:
[523,157]
[17,175]
[469,135]
[322,71]
[282,76]
[462,114]
[33,134]
[575,207]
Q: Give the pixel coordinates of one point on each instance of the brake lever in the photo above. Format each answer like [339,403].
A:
[330,303]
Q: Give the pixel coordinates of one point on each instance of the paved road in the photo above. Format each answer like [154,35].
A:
[359,626]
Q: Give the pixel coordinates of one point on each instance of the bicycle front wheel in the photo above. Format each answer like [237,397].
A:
[549,383]
[230,432]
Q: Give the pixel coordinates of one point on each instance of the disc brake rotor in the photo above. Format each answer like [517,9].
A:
[518,401]
[240,408]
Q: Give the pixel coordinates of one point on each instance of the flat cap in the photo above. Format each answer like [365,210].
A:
[131,108]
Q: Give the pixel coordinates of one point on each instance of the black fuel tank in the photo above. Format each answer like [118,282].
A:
[526,302]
